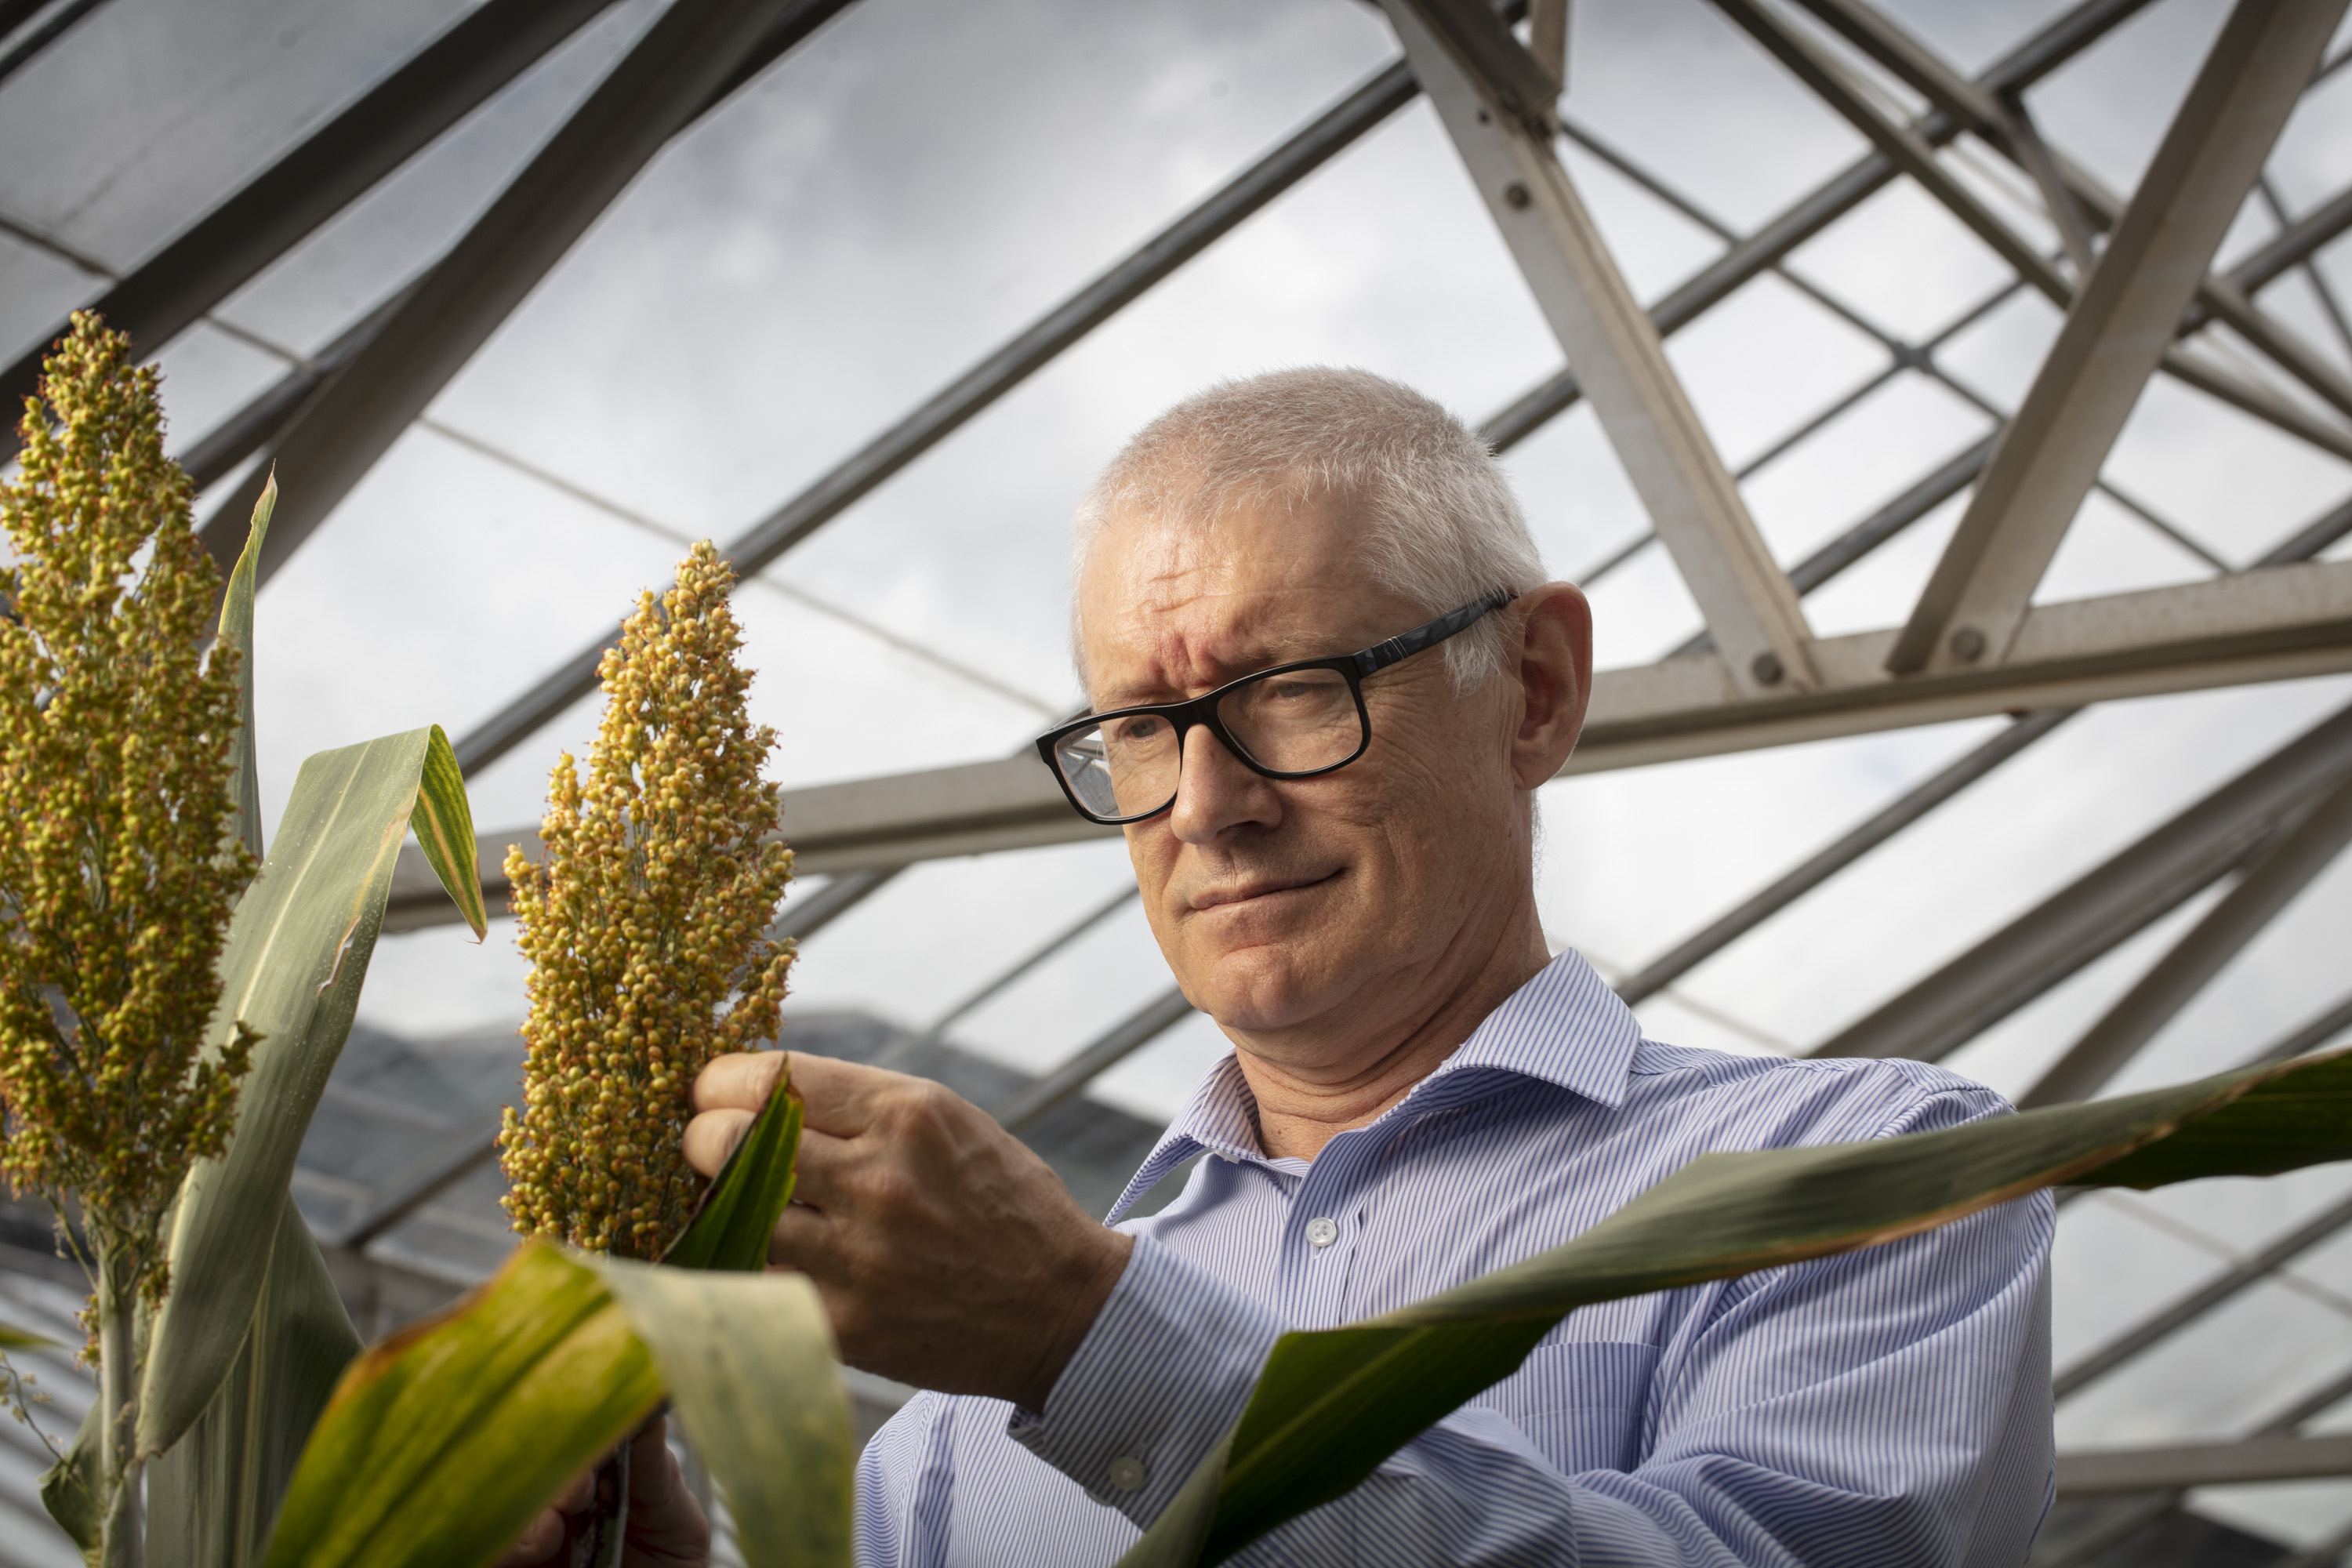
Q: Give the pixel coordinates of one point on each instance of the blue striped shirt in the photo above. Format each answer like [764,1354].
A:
[1889,1406]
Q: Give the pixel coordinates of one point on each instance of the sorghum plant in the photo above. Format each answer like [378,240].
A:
[117,867]
[645,924]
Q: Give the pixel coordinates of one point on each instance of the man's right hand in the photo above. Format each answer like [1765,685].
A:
[948,1255]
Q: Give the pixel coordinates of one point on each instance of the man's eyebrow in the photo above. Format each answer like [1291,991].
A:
[1289,648]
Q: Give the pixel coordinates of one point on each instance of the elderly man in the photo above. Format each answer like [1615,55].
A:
[1327,678]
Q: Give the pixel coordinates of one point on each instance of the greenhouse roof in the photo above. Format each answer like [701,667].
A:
[523,297]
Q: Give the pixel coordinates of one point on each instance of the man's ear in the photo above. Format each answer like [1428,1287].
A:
[1555,677]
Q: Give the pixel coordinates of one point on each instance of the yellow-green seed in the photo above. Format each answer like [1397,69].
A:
[117,873]
[645,922]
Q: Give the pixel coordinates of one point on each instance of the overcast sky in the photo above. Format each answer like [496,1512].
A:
[921,179]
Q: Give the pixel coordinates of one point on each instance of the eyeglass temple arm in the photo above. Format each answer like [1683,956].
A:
[1380,656]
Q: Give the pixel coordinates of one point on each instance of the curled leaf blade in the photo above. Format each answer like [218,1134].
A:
[443,1441]
[236,632]
[730,1230]
[69,1487]
[748,1363]
[444,826]
[296,955]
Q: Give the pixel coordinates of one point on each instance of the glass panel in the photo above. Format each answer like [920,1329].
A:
[1295,721]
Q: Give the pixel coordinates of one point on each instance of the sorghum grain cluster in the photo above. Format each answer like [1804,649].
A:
[645,923]
[117,864]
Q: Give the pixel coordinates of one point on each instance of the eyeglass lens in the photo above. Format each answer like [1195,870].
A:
[1287,722]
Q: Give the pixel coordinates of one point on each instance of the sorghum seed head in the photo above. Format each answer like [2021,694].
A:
[645,922]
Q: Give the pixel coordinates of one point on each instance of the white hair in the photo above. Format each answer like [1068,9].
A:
[1442,528]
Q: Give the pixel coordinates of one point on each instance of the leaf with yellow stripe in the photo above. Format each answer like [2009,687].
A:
[444,826]
[443,1442]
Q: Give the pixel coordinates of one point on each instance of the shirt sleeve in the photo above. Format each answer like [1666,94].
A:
[1888,1405]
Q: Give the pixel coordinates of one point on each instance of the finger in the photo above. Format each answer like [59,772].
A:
[666,1523]
[653,1468]
[841,1098]
[538,1543]
[739,1080]
[712,1136]
[805,1238]
[577,1494]
[820,1168]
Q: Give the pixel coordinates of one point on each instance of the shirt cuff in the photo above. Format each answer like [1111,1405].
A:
[1160,1378]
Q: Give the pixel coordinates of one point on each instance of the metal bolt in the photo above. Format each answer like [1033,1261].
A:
[1767,669]
[1967,644]
[1516,194]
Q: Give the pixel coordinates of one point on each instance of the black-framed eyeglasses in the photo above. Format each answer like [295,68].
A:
[1292,721]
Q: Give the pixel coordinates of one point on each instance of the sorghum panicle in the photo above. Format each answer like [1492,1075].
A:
[643,922]
[118,871]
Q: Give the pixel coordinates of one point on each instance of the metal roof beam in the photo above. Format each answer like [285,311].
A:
[2315,1032]
[2129,1518]
[2115,334]
[2225,1287]
[2293,246]
[1915,153]
[436,87]
[2040,55]
[949,408]
[1120,1041]
[2257,626]
[1028,962]
[1495,101]
[2076,200]
[2252,625]
[66,17]
[1762,251]
[2270,883]
[2098,1471]
[1379,95]
[1860,839]
[653,94]
[258,422]
[2104,907]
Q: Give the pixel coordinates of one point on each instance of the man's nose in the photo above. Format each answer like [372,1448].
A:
[1216,792]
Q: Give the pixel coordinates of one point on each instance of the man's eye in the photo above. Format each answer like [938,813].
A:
[1138,730]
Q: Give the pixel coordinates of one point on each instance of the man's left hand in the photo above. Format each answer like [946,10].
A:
[948,1255]
[664,1527]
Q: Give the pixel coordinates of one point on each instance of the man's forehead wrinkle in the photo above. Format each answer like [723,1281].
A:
[1204,639]
[1181,599]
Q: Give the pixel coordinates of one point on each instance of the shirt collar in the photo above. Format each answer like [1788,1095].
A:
[1564,1027]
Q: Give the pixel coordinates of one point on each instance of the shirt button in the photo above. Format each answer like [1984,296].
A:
[1322,1232]
[1126,1473]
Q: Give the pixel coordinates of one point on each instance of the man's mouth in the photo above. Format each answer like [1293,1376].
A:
[1257,888]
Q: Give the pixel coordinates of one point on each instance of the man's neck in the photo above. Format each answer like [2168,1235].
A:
[1302,1107]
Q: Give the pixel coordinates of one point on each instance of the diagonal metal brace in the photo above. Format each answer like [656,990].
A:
[1611,342]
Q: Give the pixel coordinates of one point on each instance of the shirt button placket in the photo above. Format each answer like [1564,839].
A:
[1322,1265]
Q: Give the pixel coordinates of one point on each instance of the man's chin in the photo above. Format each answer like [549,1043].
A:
[1260,989]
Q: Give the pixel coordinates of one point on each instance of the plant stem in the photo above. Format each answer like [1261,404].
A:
[121,1545]
[603,1534]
